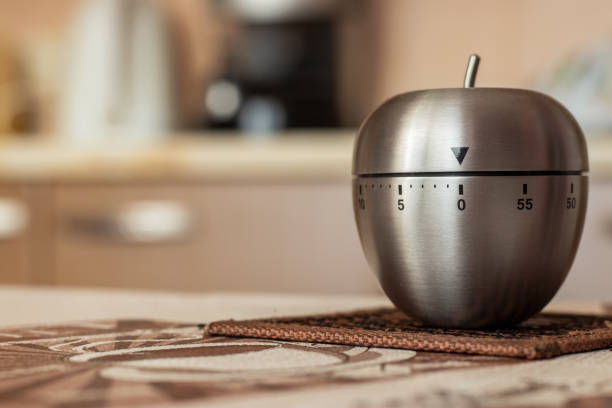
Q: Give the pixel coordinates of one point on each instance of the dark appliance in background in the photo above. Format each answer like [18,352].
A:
[280,74]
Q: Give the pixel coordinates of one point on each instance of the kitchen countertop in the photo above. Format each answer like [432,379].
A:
[318,156]
[295,156]
[152,363]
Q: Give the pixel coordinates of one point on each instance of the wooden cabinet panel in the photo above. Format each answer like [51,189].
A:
[39,251]
[297,238]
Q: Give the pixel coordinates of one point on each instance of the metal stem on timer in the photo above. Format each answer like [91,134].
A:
[471,71]
[470,202]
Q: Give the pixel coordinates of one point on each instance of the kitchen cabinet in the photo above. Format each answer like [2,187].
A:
[267,237]
[254,237]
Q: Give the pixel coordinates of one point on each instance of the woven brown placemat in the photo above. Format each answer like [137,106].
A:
[545,335]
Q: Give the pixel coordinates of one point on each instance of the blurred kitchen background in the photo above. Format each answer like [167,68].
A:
[205,145]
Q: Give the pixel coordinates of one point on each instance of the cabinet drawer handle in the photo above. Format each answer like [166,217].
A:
[141,222]
[14,218]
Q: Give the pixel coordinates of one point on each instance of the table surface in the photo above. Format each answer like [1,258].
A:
[21,305]
[291,374]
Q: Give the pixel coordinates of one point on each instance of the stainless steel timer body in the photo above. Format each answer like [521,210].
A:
[470,203]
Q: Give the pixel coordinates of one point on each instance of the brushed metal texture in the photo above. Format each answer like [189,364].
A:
[462,251]
[504,130]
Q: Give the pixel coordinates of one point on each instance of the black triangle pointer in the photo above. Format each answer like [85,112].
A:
[460,153]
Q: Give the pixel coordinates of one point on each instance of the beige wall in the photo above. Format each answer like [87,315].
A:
[426,43]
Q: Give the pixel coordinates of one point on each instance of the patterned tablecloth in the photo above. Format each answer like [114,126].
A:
[150,363]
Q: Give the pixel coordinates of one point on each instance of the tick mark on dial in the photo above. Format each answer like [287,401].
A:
[572,188]
[524,188]
[460,189]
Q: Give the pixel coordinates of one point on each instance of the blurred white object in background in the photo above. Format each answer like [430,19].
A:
[266,11]
[262,115]
[583,83]
[14,218]
[153,221]
[119,76]
[223,99]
